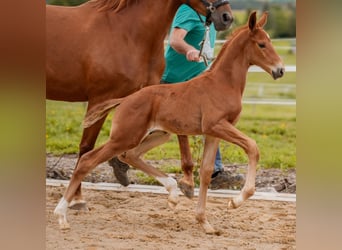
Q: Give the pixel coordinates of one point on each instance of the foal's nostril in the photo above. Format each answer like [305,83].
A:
[281,71]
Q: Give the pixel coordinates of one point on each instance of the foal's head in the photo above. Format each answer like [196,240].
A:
[260,49]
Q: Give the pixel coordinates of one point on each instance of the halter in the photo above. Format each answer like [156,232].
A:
[211,8]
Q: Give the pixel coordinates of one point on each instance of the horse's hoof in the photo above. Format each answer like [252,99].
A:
[172,202]
[231,205]
[208,228]
[172,205]
[62,221]
[213,232]
[64,226]
[186,189]
[120,171]
[80,205]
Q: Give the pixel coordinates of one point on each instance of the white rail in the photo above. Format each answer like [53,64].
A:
[288,102]
[288,68]
[224,193]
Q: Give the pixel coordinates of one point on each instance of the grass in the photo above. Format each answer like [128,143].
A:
[257,77]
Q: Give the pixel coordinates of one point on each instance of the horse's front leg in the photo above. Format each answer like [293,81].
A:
[209,154]
[88,140]
[186,184]
[229,133]
[250,147]
[248,189]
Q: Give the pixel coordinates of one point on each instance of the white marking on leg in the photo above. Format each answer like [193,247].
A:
[60,211]
[171,185]
[244,195]
[236,202]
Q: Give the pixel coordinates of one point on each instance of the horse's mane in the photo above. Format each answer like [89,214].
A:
[230,37]
[111,5]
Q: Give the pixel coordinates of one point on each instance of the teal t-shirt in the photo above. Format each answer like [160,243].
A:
[177,68]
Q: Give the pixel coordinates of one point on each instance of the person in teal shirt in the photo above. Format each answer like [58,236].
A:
[186,34]
[183,63]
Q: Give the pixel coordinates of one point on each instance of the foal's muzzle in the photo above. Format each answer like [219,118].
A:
[278,72]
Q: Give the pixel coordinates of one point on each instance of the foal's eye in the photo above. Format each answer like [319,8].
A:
[261,45]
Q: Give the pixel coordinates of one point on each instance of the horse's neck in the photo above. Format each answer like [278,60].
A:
[163,14]
[151,19]
[232,65]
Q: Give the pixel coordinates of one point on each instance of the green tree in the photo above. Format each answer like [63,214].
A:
[66,2]
[237,23]
[292,21]
[281,22]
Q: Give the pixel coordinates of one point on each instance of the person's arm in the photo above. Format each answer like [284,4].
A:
[178,43]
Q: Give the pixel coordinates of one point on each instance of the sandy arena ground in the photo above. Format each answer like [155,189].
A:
[131,220]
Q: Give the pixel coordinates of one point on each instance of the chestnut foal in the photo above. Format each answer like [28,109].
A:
[209,105]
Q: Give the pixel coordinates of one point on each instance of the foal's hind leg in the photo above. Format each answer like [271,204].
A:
[132,157]
[88,140]
[186,184]
[86,163]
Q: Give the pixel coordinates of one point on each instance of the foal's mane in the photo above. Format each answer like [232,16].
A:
[112,5]
[231,37]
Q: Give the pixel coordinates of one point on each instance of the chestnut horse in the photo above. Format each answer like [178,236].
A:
[209,105]
[106,49]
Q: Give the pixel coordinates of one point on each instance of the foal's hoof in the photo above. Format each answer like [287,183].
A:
[64,226]
[211,230]
[62,221]
[172,201]
[208,228]
[80,205]
[231,205]
[172,205]
[186,189]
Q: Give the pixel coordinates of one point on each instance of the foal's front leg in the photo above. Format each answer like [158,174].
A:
[228,132]
[186,184]
[252,151]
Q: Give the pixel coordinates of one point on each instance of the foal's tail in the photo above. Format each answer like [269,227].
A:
[99,111]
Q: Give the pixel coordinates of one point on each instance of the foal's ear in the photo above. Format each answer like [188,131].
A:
[252,21]
[263,20]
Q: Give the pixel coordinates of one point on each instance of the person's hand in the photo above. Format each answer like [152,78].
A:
[193,55]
